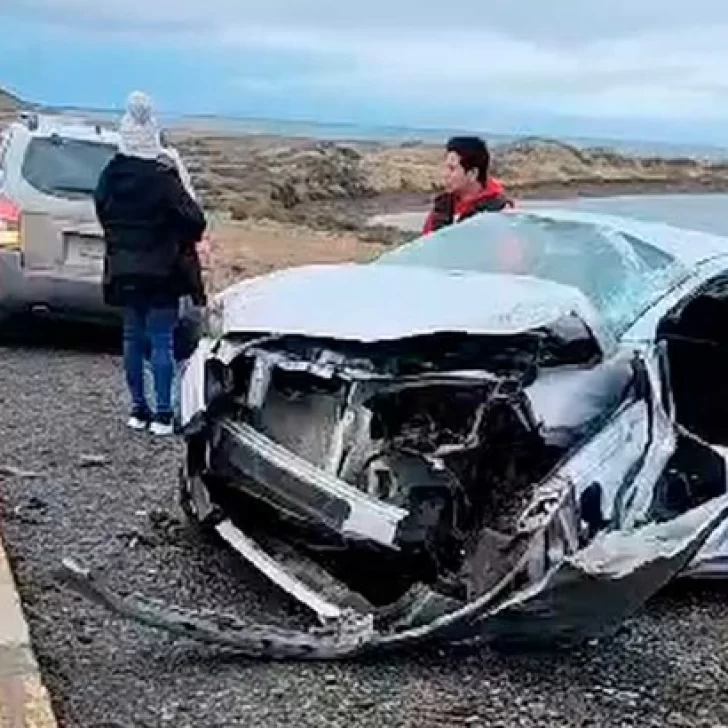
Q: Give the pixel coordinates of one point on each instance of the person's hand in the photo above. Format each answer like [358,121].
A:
[204,250]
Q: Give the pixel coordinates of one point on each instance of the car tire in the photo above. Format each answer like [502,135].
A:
[5,318]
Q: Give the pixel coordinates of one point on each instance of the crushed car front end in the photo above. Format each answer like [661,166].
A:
[491,474]
[428,469]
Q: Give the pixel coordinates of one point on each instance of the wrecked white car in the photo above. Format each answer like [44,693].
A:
[510,430]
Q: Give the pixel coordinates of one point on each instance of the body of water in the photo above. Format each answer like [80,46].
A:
[708,213]
[403,134]
[399,134]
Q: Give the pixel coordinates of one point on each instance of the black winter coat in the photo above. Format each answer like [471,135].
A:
[150,224]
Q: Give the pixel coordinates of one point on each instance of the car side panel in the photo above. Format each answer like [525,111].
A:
[711,561]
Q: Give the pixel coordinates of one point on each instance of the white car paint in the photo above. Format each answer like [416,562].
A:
[376,303]
[371,303]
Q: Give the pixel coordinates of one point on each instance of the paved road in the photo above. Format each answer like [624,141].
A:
[698,212]
[667,668]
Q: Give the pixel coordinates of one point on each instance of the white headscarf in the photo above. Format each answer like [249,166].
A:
[138,130]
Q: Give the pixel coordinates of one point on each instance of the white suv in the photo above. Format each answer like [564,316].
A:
[51,244]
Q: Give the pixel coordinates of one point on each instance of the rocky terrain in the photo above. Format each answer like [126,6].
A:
[336,185]
[8,101]
[9,106]
[312,199]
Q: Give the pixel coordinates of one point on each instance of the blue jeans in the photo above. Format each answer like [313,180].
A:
[176,385]
[156,325]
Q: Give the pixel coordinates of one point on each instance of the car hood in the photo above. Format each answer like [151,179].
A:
[366,302]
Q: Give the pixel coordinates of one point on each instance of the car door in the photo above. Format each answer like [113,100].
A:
[712,559]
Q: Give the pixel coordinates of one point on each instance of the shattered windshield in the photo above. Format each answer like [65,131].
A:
[620,274]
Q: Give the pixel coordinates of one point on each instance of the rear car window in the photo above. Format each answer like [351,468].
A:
[64,167]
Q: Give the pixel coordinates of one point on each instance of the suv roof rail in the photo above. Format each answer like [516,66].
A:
[61,123]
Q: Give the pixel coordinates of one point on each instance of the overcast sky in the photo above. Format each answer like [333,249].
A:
[636,68]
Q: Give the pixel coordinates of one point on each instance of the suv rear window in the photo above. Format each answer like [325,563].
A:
[64,167]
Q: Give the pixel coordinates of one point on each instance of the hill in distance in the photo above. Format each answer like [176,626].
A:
[10,102]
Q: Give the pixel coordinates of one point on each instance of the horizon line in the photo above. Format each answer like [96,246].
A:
[519,135]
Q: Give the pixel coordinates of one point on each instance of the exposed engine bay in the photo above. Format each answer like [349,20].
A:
[453,431]
[454,487]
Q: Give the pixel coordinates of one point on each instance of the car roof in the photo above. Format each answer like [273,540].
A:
[46,126]
[31,126]
[689,247]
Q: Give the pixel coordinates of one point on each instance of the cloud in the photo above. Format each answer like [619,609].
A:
[556,20]
[619,60]
[670,74]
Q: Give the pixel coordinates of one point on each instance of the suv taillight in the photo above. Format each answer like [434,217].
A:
[9,225]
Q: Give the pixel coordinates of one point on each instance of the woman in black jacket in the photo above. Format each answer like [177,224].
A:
[151,225]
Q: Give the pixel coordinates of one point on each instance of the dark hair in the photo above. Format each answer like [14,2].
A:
[473,153]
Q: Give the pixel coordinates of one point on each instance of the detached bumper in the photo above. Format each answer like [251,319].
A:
[272,473]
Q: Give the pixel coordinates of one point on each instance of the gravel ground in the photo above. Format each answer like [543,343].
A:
[668,667]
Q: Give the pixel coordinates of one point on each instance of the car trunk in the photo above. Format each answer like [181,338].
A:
[62,244]
[62,262]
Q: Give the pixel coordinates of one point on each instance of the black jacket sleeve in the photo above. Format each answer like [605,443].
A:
[187,218]
[191,272]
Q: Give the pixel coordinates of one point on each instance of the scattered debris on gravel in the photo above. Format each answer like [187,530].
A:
[117,511]
[10,471]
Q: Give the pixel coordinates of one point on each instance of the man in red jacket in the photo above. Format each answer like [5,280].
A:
[469,187]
